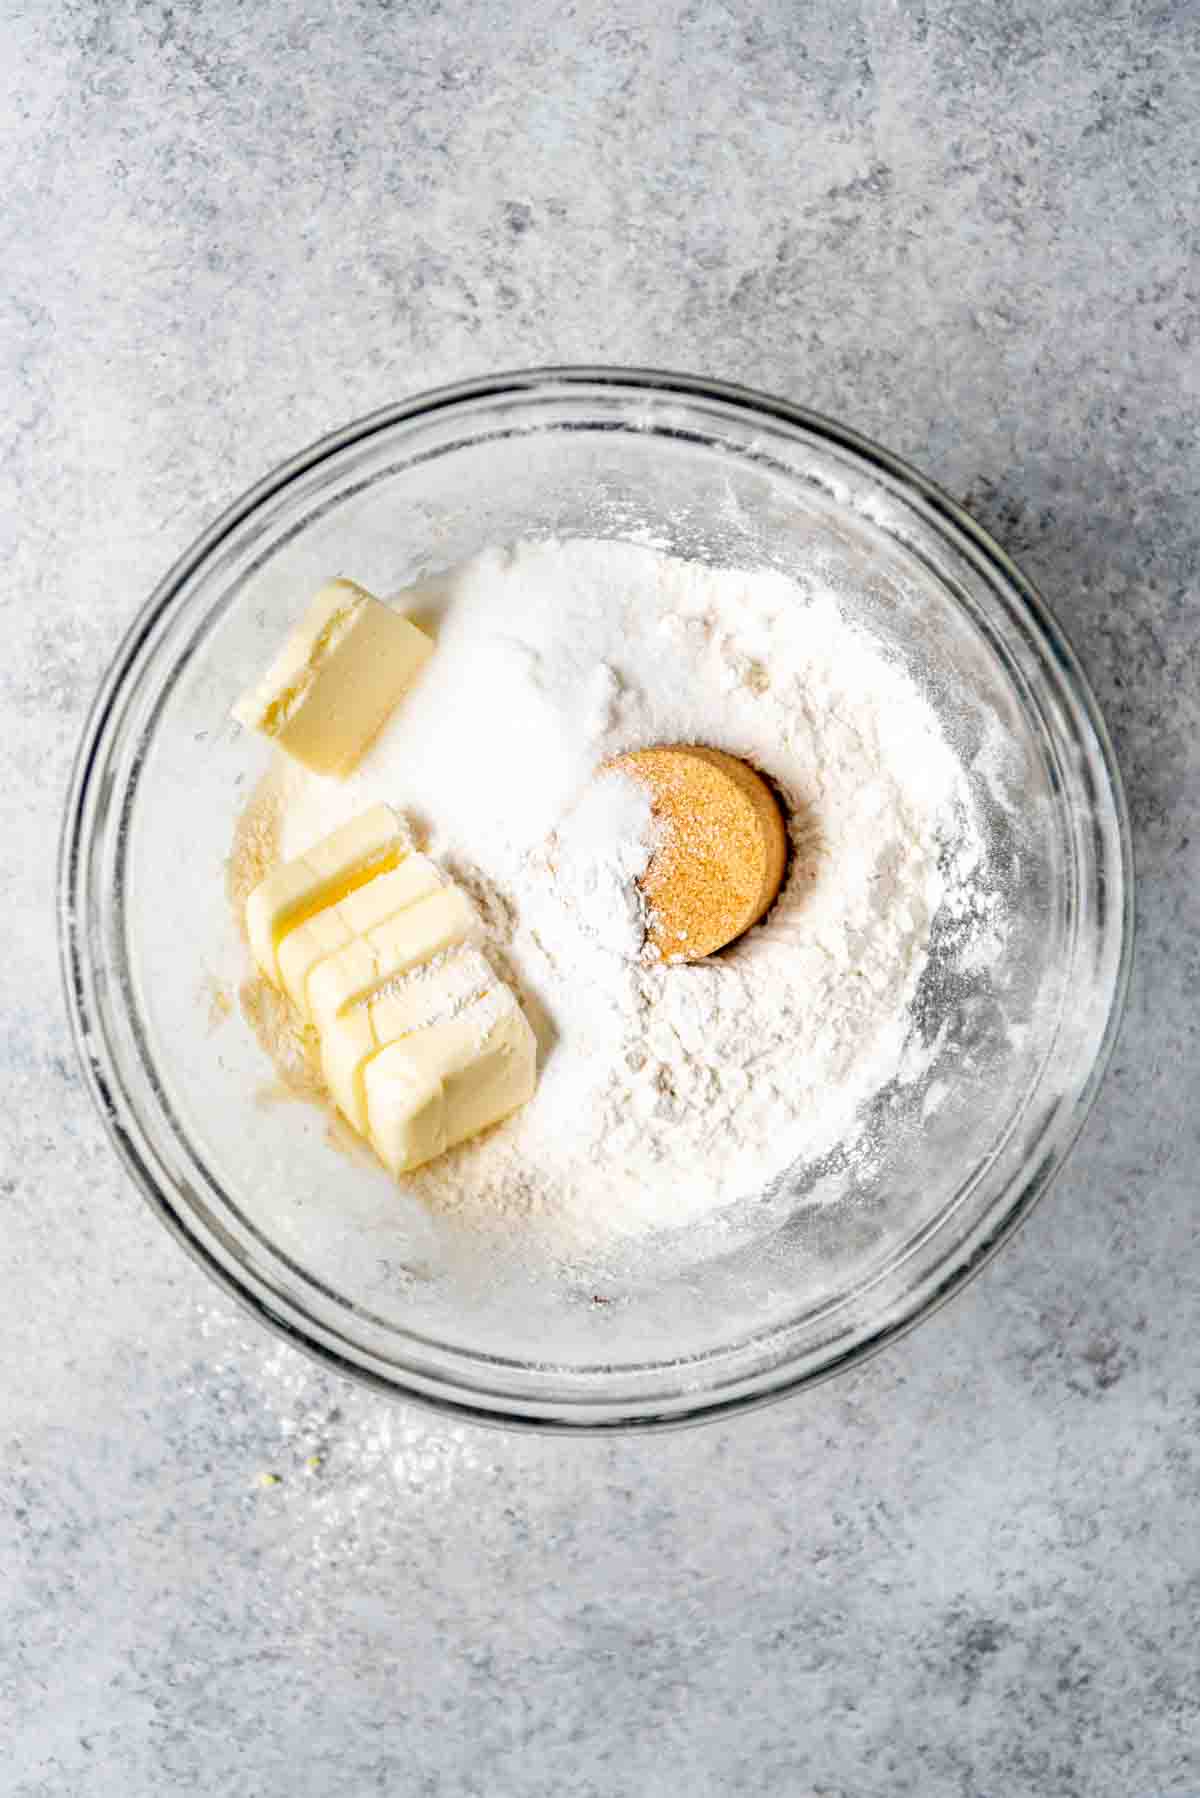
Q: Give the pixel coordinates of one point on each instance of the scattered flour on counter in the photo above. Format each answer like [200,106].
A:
[664,1093]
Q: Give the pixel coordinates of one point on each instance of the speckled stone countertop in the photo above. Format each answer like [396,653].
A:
[972,1568]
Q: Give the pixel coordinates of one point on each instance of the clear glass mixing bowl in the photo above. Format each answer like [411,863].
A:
[833,1261]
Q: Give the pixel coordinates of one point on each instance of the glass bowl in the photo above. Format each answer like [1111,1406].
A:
[837,1259]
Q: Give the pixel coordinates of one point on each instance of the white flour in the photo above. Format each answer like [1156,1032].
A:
[664,1093]
[598,854]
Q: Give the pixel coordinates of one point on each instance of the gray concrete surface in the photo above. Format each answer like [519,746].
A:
[970,230]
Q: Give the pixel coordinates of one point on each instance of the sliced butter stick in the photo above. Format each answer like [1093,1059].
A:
[336,679]
[392,948]
[439,990]
[439,1086]
[331,929]
[371,844]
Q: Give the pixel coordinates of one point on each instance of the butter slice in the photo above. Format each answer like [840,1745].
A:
[439,1086]
[371,844]
[428,995]
[336,679]
[391,949]
[331,929]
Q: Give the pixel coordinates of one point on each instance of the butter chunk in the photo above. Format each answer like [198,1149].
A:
[372,844]
[336,679]
[391,949]
[428,995]
[332,929]
[439,1086]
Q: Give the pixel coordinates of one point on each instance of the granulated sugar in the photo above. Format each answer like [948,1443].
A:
[664,1092]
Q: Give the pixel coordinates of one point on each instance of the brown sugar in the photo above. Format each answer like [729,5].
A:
[720,857]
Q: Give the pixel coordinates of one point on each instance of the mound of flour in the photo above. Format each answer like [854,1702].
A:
[664,1093]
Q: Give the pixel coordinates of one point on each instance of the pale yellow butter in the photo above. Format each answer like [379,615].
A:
[332,929]
[439,1086]
[391,949]
[336,679]
[421,1044]
[429,994]
[370,845]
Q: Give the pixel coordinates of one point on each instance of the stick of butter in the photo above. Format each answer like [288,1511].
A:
[373,843]
[439,990]
[336,679]
[440,1085]
[331,929]
[392,948]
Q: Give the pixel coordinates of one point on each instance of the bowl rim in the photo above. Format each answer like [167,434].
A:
[1025,1189]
